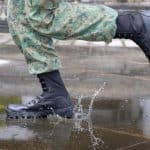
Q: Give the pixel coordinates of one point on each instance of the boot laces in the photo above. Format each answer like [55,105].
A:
[37,99]
[34,101]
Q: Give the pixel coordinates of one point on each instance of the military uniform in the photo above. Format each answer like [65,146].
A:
[34,23]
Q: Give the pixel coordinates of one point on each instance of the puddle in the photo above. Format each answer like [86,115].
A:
[98,125]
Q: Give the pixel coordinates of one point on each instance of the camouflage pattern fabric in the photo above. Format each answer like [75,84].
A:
[34,23]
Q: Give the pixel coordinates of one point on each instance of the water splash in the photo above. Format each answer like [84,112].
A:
[82,117]
[79,115]
[79,106]
[94,96]
[96,141]
[82,121]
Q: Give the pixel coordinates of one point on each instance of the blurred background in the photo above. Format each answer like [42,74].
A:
[121,63]
[117,4]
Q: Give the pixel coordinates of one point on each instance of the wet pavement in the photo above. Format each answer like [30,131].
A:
[120,116]
[113,125]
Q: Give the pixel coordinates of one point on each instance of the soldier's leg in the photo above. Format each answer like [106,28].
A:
[38,50]
[88,22]
[33,34]
[72,20]
[43,61]
[62,21]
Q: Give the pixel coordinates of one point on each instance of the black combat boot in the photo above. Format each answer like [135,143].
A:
[135,26]
[54,100]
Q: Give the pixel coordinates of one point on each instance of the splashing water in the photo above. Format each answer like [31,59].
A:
[94,96]
[94,140]
[81,116]
[79,105]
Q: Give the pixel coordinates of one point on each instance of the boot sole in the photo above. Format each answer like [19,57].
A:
[27,114]
[65,113]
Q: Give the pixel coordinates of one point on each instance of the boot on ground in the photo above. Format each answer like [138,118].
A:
[55,99]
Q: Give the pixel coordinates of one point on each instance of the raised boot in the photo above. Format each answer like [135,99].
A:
[54,100]
[135,26]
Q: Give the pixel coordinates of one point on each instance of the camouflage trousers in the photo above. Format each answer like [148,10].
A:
[34,23]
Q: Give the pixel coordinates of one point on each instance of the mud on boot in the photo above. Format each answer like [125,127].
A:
[55,99]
